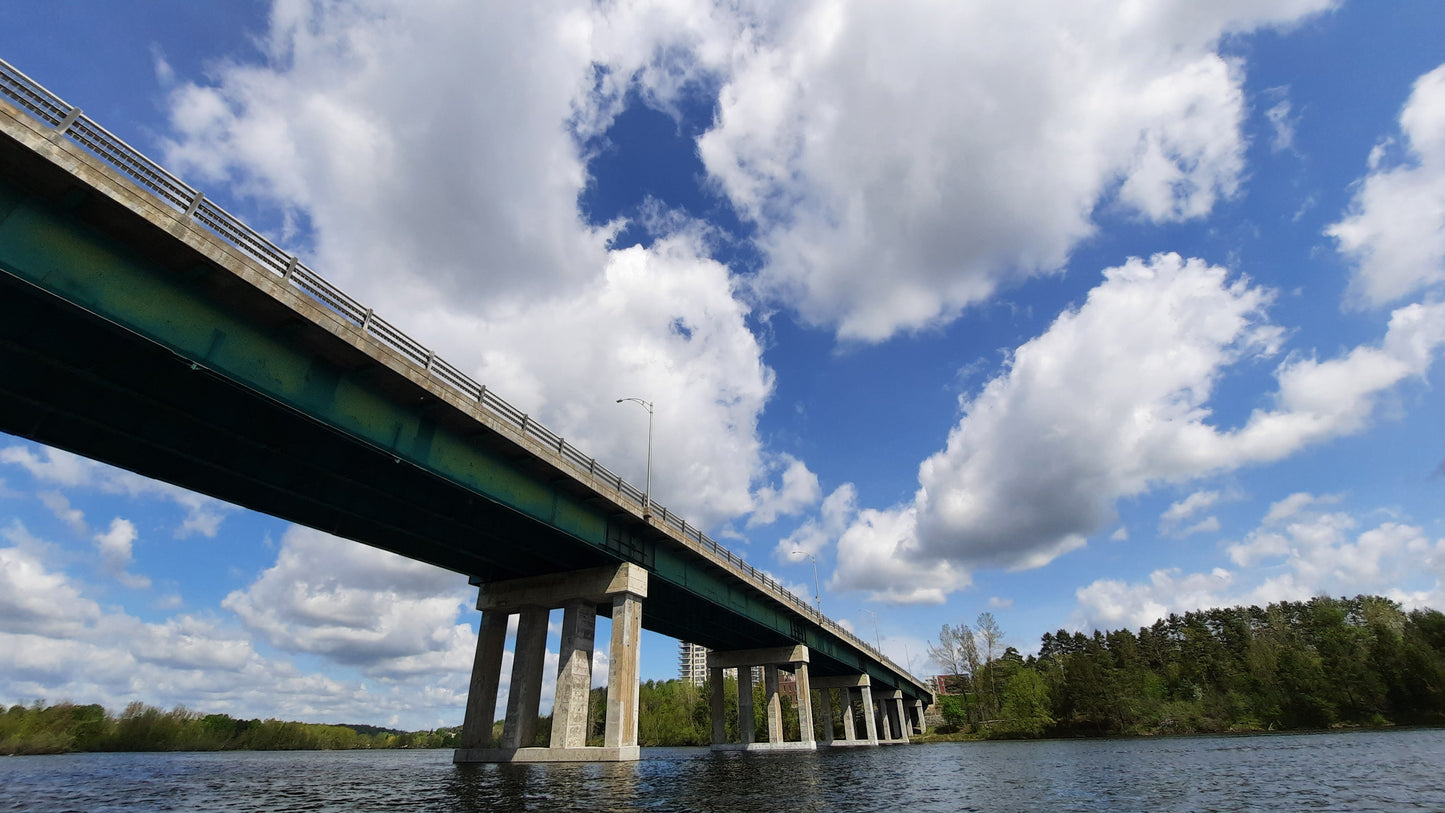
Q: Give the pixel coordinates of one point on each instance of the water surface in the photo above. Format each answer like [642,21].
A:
[1347,771]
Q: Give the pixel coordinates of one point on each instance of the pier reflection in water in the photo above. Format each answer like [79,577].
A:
[1354,771]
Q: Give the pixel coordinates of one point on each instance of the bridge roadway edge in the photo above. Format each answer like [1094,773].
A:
[345,366]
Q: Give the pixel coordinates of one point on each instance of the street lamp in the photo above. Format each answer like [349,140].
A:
[817,591]
[646,489]
[877,639]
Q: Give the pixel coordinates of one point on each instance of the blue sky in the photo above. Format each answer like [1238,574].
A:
[1072,313]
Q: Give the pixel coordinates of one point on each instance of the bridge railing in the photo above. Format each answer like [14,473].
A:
[69,121]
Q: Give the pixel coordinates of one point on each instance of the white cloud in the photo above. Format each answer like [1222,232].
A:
[1296,553]
[1394,232]
[1283,124]
[115,549]
[34,598]
[203,514]
[438,153]
[833,517]
[59,643]
[879,553]
[906,159]
[60,506]
[1188,507]
[357,605]
[1204,526]
[799,490]
[1027,474]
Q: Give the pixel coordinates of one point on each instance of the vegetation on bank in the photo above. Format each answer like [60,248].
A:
[66,727]
[1293,665]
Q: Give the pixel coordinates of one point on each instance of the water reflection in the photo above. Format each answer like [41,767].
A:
[1355,771]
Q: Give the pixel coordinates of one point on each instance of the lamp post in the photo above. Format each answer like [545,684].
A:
[817,590]
[646,489]
[877,639]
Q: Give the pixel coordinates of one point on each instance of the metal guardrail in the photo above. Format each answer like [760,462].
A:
[68,121]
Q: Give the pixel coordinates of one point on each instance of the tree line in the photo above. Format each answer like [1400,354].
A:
[66,727]
[1291,665]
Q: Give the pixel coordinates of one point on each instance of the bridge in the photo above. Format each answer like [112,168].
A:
[144,326]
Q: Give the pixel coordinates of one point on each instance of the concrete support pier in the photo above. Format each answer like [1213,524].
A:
[893,723]
[847,686]
[621,589]
[790,658]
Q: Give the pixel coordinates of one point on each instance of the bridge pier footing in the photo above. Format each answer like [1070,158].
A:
[579,594]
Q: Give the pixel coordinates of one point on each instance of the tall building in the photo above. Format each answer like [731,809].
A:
[692,663]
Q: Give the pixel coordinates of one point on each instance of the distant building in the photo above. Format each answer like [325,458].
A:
[692,663]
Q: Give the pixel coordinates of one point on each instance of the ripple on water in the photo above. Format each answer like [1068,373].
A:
[1347,771]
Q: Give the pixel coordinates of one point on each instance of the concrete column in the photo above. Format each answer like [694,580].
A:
[774,703]
[805,704]
[529,656]
[486,677]
[918,713]
[869,719]
[849,731]
[745,705]
[623,666]
[574,675]
[901,715]
[826,714]
[880,713]
[719,705]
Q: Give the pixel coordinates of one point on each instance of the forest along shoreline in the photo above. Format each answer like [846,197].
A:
[1321,664]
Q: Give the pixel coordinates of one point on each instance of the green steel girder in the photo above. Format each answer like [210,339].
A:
[122,343]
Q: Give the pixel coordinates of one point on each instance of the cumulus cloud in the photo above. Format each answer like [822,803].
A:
[60,643]
[798,490]
[1394,233]
[203,515]
[357,605]
[1113,399]
[1188,507]
[115,549]
[903,160]
[1173,520]
[34,598]
[1298,551]
[837,510]
[880,553]
[447,188]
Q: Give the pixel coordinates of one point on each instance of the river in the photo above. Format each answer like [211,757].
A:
[1345,771]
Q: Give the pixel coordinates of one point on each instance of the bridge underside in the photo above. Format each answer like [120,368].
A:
[130,342]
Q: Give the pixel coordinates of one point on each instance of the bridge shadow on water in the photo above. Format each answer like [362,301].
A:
[664,780]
